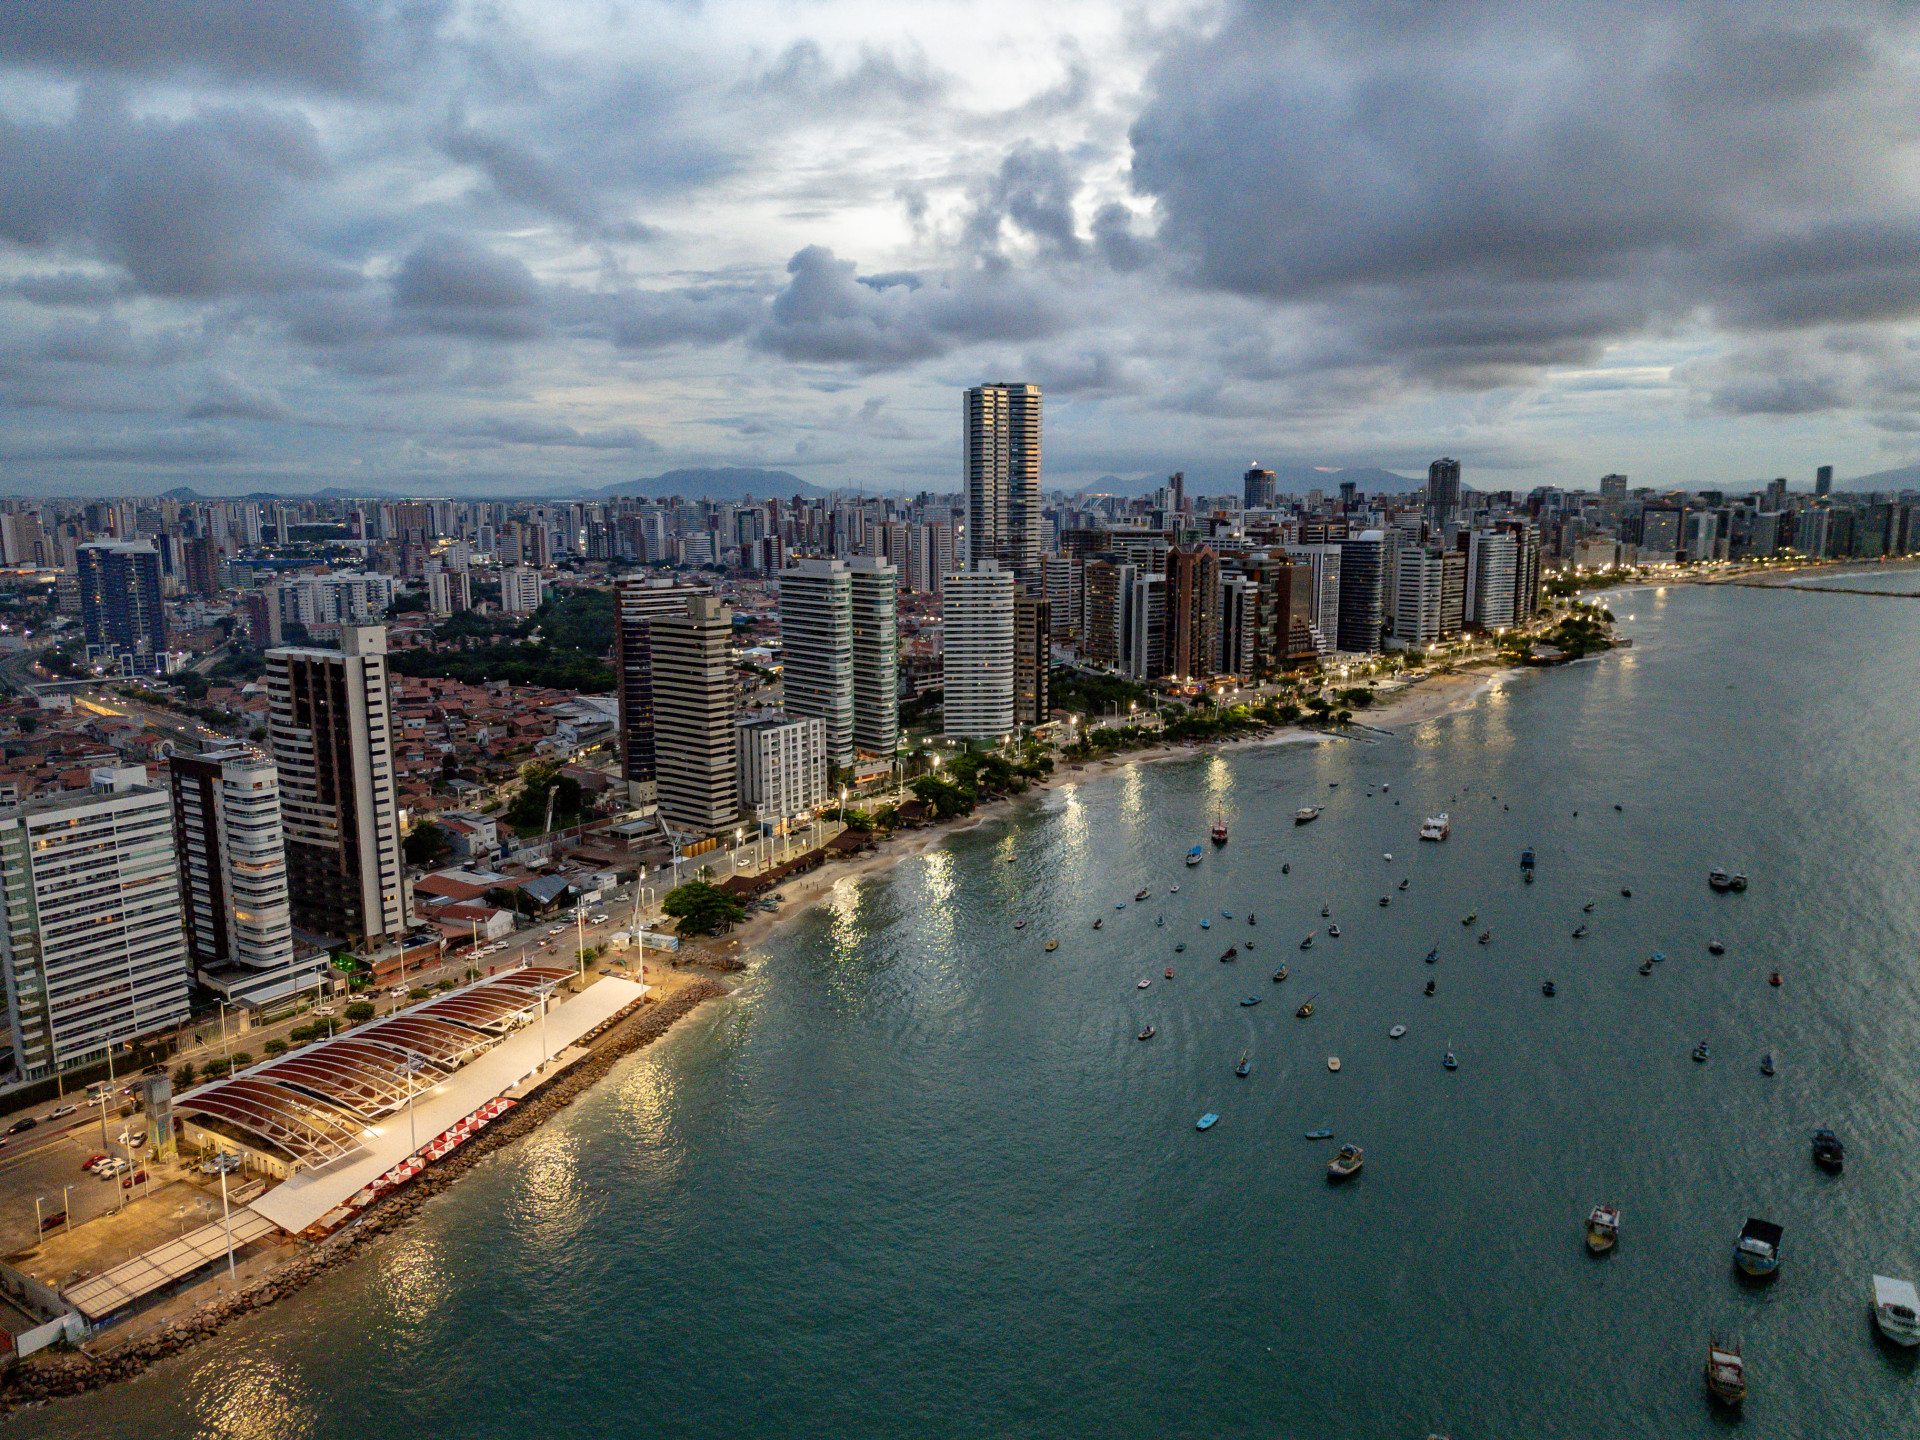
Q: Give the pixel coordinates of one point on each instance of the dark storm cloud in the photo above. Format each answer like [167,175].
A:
[321,44]
[825,315]
[452,286]
[1033,190]
[1500,186]
[545,185]
[71,288]
[225,396]
[195,208]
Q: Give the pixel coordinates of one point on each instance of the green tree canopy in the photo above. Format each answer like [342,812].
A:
[427,843]
[701,908]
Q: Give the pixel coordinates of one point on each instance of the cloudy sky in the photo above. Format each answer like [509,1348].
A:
[529,246]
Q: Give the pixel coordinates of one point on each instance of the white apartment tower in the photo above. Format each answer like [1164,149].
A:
[696,765]
[977,642]
[783,765]
[521,590]
[94,952]
[233,876]
[875,599]
[1001,425]
[1492,574]
[330,730]
[816,643]
[1417,603]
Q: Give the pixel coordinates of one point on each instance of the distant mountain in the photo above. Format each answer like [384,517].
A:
[718,483]
[180,492]
[1907,477]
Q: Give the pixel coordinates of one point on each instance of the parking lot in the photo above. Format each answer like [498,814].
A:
[46,1164]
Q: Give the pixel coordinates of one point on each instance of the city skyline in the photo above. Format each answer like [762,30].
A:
[539,248]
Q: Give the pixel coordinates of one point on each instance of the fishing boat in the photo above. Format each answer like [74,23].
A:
[1581,933]
[1486,937]
[1547,989]
[1657,956]
[1766,1063]
[1148,1033]
[1396,1032]
[1757,1252]
[1333,932]
[1625,893]
[1141,893]
[1251,1000]
[1526,858]
[1325,910]
[1250,917]
[1737,883]
[1726,1372]
[1226,914]
[1386,899]
[1896,1310]
[1305,814]
[1206,1121]
[1700,1053]
[1101,921]
[1119,904]
[1143,984]
[1718,879]
[1229,953]
[1333,1063]
[1472,916]
[1587,909]
[1346,1164]
[1020,924]
[1646,967]
[1429,987]
[1828,1153]
[1404,883]
[1245,1067]
[1219,831]
[1527,875]
[1437,827]
[1168,972]
[1159,920]
[1286,869]
[1249,944]
[1279,974]
[1206,924]
[1181,947]
[1773,977]
[1447,1061]
[1052,945]
[1716,947]
[1193,856]
[1306,1008]
[1307,944]
[1323,1133]
[1603,1228]
[1173,890]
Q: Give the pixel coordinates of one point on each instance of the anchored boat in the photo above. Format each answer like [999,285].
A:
[1438,827]
[1757,1252]
[1603,1228]
[1346,1164]
[1305,814]
[1896,1310]
[1193,856]
[1726,1372]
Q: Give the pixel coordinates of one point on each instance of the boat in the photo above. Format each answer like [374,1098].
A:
[1581,933]
[1716,947]
[1206,924]
[1429,987]
[1547,988]
[1180,947]
[1333,932]
[1279,974]
[1228,953]
[1486,937]
[1384,787]
[1206,1121]
[1587,909]
[1101,921]
[1168,972]
[1148,1033]
[1447,1061]
[1396,1032]
[1405,883]
[1333,1063]
[1305,814]
[1286,869]
[1766,1063]
[1646,967]
[1603,1228]
[1249,944]
[1657,956]
[1173,890]
[1472,916]
[1718,879]
[1244,1068]
[1193,856]
[1020,924]
[1526,858]
[1226,914]
[1306,1008]
[1386,899]
[1052,945]
[1346,1164]
[1828,1153]
[1726,1372]
[1896,1310]
[1527,875]
[1159,920]
[1437,827]
[1757,1252]
[1700,1053]
[1433,955]
[1737,883]
[1251,1000]
[1773,977]
[1250,919]
[1388,856]
[1119,904]
[1625,893]
[1325,910]
[1141,893]
[1307,944]
[1323,1133]
[1143,984]
[1219,832]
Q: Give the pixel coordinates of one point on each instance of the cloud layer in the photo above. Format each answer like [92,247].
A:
[512,247]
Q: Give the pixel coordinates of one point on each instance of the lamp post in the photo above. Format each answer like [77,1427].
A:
[225,1211]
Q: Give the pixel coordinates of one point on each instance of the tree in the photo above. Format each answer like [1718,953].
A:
[427,843]
[184,1077]
[943,797]
[360,1011]
[528,813]
[191,684]
[702,908]
[275,1047]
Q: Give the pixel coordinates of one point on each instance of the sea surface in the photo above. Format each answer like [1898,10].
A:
[919,1178]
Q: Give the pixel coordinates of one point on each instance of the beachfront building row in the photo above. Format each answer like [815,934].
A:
[840,645]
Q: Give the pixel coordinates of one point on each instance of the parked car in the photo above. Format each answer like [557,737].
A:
[62,1112]
[112,1168]
[49,1222]
[596,919]
[322,1010]
[20,1127]
[137,1139]
[139,1177]
[93,1160]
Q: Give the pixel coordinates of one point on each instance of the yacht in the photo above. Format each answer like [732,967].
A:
[1141,893]
[1757,1252]
[1726,1372]
[1219,832]
[1193,856]
[1828,1153]
[1438,827]
[1603,1228]
[1718,879]
[1306,813]
[1896,1310]
[1346,1164]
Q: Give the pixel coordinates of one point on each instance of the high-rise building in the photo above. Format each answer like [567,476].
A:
[200,562]
[448,591]
[816,649]
[977,644]
[1823,480]
[1323,560]
[1443,490]
[521,589]
[696,760]
[1105,604]
[1418,598]
[1002,458]
[1032,657]
[233,876]
[1260,490]
[1064,589]
[1239,624]
[1492,569]
[330,730]
[929,555]
[1363,592]
[641,601]
[1146,625]
[120,606]
[1193,618]
[1613,490]
[875,601]
[783,765]
[93,947]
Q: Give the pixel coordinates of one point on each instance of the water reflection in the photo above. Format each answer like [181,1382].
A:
[253,1400]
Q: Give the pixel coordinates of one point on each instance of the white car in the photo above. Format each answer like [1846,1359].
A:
[322,1010]
[62,1112]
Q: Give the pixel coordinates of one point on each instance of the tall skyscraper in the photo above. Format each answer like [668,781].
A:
[816,645]
[696,760]
[977,641]
[875,600]
[93,947]
[1260,491]
[1324,561]
[1823,480]
[1613,490]
[1063,583]
[1417,598]
[1443,490]
[233,876]
[120,606]
[1492,570]
[1032,656]
[1239,624]
[1193,618]
[330,730]
[641,601]
[1002,440]
[1145,638]
[1363,592]
[521,590]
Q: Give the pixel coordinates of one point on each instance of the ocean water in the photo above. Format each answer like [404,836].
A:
[920,1178]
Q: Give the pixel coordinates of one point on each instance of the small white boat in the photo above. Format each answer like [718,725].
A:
[1346,1164]
[1396,1032]
[1603,1228]
[1896,1310]
[1438,827]
[1726,1371]
[1305,814]
[1333,1062]
[1143,984]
